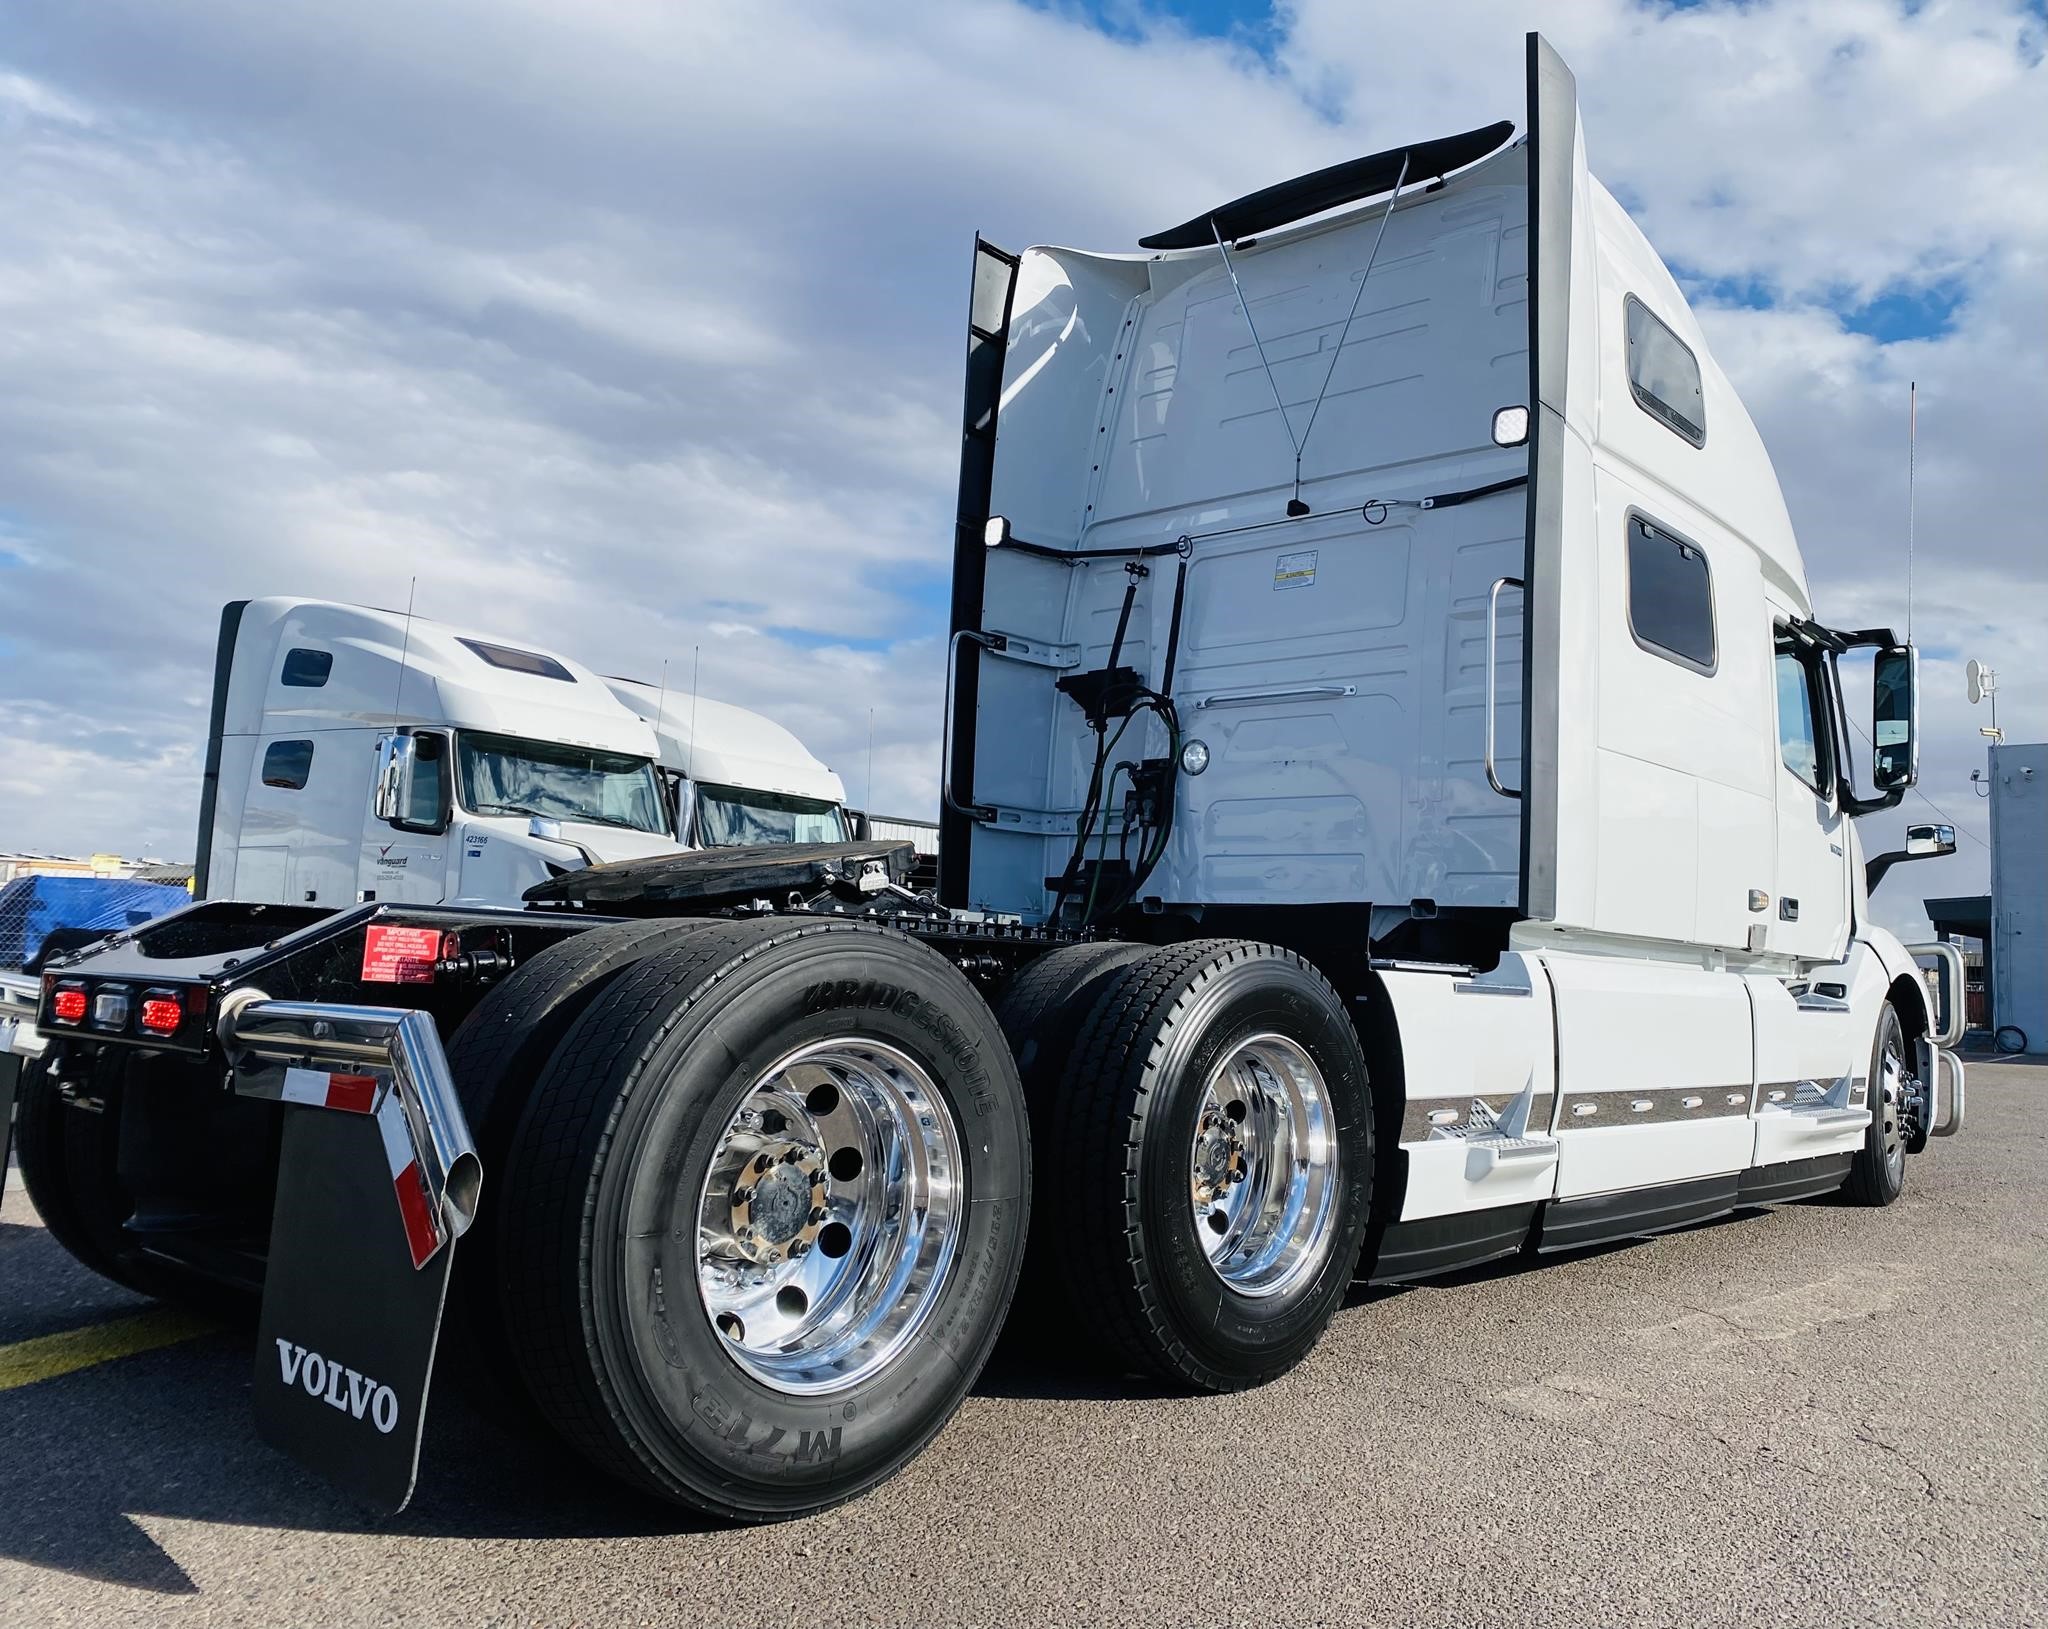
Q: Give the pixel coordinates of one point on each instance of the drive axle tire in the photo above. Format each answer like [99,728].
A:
[1041,1013]
[765,1212]
[1877,1175]
[1213,1175]
[493,1058]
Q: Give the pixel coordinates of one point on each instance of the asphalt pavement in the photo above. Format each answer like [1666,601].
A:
[1815,1415]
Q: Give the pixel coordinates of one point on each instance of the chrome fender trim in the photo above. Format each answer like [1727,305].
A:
[274,1045]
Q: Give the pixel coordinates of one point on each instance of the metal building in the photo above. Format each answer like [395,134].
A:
[2019,891]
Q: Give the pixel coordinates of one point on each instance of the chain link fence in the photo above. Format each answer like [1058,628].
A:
[42,916]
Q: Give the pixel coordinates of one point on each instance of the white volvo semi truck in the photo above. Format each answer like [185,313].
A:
[1400,809]
[522,764]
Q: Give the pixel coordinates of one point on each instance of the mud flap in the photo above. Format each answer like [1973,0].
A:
[346,1341]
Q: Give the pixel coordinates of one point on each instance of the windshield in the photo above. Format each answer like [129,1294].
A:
[502,774]
[730,815]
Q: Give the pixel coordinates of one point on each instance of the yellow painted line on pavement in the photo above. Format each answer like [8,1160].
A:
[48,1356]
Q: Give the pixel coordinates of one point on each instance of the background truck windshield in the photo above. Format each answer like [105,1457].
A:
[502,774]
[728,815]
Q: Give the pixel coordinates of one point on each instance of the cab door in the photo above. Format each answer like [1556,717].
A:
[408,860]
[1808,913]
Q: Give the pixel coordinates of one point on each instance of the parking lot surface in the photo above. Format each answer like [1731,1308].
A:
[1814,1415]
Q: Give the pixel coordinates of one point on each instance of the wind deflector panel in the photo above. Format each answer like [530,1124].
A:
[1344,183]
[989,300]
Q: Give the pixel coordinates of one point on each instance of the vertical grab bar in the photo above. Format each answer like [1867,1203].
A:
[1492,667]
[964,636]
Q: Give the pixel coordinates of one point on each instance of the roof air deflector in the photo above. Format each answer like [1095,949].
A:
[1319,190]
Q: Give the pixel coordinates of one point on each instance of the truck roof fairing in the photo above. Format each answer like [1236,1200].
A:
[1328,188]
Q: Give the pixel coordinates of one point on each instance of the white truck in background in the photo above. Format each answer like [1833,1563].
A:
[524,764]
[736,777]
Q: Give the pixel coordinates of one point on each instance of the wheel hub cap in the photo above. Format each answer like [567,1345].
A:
[1262,1172]
[831,1215]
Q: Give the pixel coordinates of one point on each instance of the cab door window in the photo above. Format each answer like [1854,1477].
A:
[1800,741]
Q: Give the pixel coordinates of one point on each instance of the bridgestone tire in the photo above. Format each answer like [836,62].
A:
[494,1056]
[1115,1206]
[1041,1013]
[1873,1178]
[604,1313]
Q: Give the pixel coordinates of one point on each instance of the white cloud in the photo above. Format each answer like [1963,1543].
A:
[637,328]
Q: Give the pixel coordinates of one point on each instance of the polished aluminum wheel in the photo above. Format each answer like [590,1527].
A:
[1895,1083]
[831,1215]
[1263,1168]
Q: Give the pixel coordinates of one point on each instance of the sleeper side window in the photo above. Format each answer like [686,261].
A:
[306,668]
[1799,715]
[1664,375]
[1670,596]
[287,764]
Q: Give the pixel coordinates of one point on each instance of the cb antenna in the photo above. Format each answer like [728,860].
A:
[1912,442]
[868,797]
[690,756]
[404,651]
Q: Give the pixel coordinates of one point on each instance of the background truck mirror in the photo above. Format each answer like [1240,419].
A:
[1894,704]
[397,756]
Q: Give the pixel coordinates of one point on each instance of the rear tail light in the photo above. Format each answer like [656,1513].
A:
[67,1005]
[162,1012]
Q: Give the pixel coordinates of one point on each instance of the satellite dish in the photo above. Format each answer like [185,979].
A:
[1973,672]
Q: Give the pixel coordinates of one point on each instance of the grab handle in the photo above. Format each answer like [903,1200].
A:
[1492,667]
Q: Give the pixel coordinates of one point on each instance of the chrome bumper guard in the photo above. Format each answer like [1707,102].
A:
[319,1054]
[1934,1062]
[19,995]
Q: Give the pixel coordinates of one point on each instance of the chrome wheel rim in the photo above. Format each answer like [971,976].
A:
[1262,1180]
[831,1215]
[1892,1106]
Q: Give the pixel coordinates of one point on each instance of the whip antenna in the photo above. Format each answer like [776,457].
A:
[1912,441]
[404,651]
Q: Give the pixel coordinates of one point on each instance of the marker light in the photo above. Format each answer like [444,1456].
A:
[996,532]
[1511,427]
[110,1008]
[68,1006]
[1194,757]
[162,1013]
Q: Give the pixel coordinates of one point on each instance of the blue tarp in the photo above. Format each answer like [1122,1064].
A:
[30,907]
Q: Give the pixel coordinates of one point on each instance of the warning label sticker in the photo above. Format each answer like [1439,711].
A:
[1295,570]
[393,955]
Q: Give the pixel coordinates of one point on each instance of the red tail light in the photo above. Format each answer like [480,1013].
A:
[67,1006]
[162,1013]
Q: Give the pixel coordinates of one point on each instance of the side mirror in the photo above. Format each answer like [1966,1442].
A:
[1922,843]
[1894,713]
[1929,842]
[397,760]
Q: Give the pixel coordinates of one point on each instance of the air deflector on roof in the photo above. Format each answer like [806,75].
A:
[1344,183]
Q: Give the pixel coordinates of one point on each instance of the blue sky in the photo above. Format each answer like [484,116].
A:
[636,330]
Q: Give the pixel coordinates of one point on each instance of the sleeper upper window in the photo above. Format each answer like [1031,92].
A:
[520,661]
[307,668]
[1799,718]
[1670,596]
[1664,375]
[287,764]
